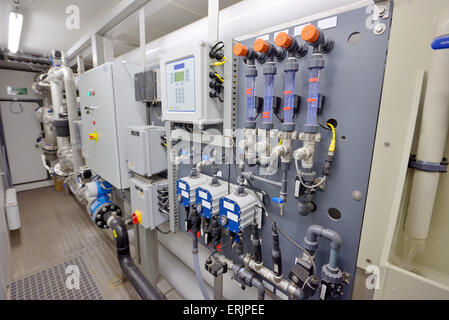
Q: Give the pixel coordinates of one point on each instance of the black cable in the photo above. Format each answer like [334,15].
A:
[322,125]
[279,118]
[216,250]
[286,235]
[163,232]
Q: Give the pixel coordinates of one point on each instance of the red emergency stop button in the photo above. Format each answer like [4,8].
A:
[137,217]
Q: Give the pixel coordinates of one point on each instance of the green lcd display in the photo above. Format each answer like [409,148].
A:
[179,76]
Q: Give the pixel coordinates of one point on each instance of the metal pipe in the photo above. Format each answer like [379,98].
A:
[65,73]
[251,176]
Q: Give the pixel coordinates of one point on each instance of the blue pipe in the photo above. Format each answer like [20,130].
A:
[313,97]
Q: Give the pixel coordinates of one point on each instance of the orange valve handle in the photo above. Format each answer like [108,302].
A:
[310,33]
[283,40]
[262,46]
[240,50]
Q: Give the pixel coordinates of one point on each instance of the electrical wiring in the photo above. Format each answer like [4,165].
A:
[220,63]
[163,232]
[219,77]
[332,144]
[285,234]
[312,186]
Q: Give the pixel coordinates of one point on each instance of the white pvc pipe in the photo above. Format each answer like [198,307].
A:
[239,19]
[432,137]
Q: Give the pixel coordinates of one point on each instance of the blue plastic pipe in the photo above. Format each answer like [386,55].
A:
[250,98]
[268,98]
[289,95]
[314,91]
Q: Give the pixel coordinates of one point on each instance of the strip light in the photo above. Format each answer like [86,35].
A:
[14,31]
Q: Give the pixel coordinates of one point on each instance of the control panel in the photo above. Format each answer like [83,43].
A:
[184,84]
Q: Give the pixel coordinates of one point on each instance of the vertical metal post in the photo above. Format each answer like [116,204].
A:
[80,63]
[218,287]
[108,47]
[149,253]
[142,36]
[172,173]
[97,50]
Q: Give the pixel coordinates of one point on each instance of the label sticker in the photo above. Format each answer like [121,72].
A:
[206,204]
[297,30]
[202,194]
[276,33]
[233,217]
[228,205]
[327,23]
[185,194]
[182,185]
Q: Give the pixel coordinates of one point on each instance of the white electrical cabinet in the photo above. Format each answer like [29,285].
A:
[145,154]
[108,106]
[185,87]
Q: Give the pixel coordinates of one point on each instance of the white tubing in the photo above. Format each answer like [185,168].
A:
[432,137]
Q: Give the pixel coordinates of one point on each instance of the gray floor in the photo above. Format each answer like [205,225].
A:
[55,229]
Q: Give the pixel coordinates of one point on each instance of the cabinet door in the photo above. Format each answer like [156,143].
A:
[98,116]
[21,128]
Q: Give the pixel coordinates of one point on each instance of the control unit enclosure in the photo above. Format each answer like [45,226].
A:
[184,87]
[144,199]
[108,106]
[145,154]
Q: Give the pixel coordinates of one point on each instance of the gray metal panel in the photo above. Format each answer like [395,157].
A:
[128,110]
[352,83]
[21,129]
[102,155]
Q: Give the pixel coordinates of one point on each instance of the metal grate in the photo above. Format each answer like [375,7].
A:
[51,284]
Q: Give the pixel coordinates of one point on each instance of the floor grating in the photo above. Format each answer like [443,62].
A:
[70,280]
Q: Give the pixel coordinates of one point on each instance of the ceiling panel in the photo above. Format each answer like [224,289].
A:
[44,22]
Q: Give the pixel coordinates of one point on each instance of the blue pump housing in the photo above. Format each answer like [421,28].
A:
[183,189]
[204,198]
[229,216]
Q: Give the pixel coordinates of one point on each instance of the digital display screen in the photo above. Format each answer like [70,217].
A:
[179,66]
[179,76]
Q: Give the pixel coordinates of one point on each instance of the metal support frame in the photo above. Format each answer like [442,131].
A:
[97,50]
[149,253]
[172,173]
[218,287]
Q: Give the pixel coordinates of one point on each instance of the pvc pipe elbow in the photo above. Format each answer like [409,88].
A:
[302,153]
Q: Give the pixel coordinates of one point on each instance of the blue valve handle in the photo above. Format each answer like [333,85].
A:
[278,200]
[440,43]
